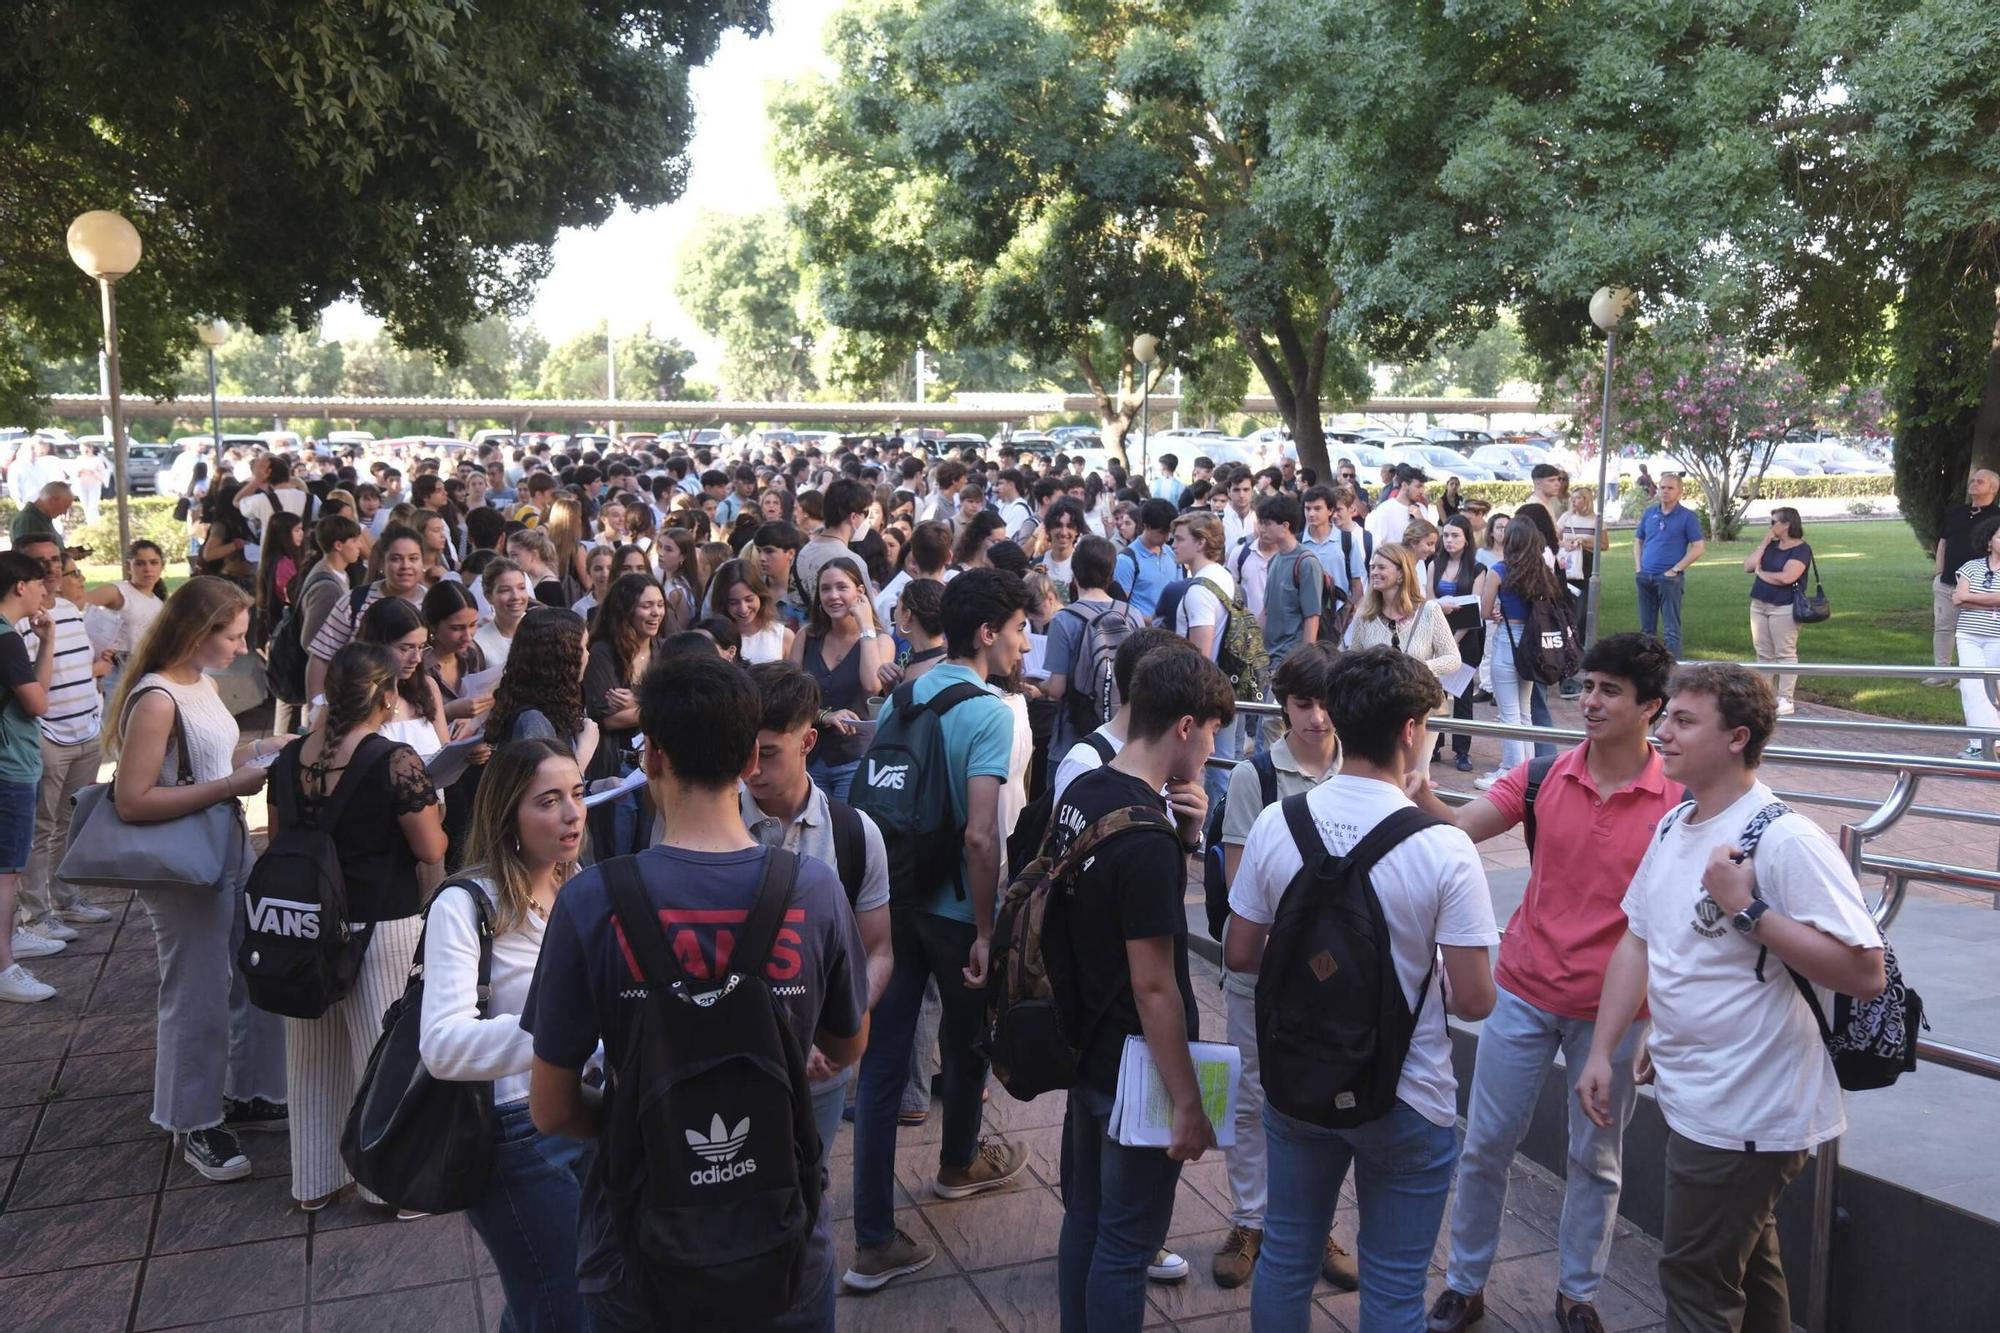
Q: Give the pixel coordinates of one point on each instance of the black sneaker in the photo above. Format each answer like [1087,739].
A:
[255,1115]
[215,1154]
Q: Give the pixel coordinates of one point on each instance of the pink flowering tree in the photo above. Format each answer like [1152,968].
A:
[1716,409]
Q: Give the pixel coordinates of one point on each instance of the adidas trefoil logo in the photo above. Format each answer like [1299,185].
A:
[719,1148]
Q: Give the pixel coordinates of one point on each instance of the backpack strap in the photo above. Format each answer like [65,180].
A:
[767,913]
[951,696]
[1305,833]
[850,847]
[1538,773]
[1385,836]
[639,921]
[1267,777]
[1112,824]
[1102,745]
[1746,843]
[357,601]
[334,804]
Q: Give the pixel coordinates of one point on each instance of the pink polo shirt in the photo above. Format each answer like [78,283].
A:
[1587,848]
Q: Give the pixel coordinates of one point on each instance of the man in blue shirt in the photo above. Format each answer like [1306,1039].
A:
[940,934]
[1167,486]
[1149,560]
[1666,542]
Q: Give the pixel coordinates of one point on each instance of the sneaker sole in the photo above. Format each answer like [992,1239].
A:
[1164,1276]
[944,1191]
[217,1173]
[28,999]
[859,1281]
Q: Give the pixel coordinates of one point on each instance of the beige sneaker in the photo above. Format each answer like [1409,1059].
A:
[992,1166]
[1237,1258]
[877,1266]
[1338,1267]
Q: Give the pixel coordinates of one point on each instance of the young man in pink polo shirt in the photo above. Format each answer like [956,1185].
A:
[1593,815]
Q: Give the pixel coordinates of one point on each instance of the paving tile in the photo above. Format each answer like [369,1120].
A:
[271,1321]
[217,1284]
[365,1260]
[449,1307]
[37,1041]
[236,1213]
[69,1299]
[126,990]
[27,1082]
[947,1306]
[40,1240]
[910,1221]
[17,1124]
[102,1075]
[64,1007]
[1238,1321]
[1044,1147]
[81,1122]
[1523,1291]
[1197,1296]
[100,1033]
[839,1200]
[1004,1113]
[1023,1298]
[77,1175]
[999,1229]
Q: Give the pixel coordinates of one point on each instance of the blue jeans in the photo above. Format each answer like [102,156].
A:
[1511,694]
[1660,598]
[527,1220]
[829,1100]
[1517,1047]
[926,947]
[833,779]
[1118,1203]
[1402,1165]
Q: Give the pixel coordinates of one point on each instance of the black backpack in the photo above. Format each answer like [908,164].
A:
[1550,648]
[1214,878]
[1031,826]
[904,783]
[1333,1027]
[850,847]
[299,954]
[711,1161]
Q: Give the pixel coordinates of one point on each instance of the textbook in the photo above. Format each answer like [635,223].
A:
[1142,1114]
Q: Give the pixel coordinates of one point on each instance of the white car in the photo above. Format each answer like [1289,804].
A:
[1438,461]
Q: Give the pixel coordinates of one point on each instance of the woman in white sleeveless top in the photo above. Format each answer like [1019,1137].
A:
[219,1067]
[135,599]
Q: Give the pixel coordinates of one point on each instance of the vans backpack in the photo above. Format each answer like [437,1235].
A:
[710,1155]
[1872,1043]
[903,784]
[1333,1027]
[1092,696]
[1239,646]
[1214,876]
[1550,648]
[299,953]
[1032,1033]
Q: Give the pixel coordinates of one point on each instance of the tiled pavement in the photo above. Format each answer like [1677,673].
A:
[102,1229]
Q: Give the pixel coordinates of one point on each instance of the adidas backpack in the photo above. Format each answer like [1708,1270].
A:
[711,1161]
[299,954]
[1333,1027]
[1032,1032]
[903,785]
[1092,696]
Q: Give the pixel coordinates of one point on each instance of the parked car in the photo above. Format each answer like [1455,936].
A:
[143,465]
[1438,461]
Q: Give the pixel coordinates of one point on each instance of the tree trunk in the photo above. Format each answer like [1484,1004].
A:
[1294,383]
[1986,422]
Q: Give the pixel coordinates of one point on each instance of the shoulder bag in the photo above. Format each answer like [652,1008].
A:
[1811,610]
[187,852]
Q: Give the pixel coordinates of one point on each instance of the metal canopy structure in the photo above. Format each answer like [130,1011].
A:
[521,411]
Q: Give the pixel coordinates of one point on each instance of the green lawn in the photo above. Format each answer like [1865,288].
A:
[1875,576]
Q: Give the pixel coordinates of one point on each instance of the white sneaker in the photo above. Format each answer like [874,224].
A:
[87,914]
[27,944]
[1486,780]
[1166,1267]
[18,985]
[49,928]
[1785,708]
[1973,750]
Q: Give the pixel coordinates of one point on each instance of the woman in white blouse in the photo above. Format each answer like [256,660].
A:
[526,835]
[1396,612]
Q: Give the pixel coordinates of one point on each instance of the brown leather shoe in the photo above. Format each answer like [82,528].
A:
[1577,1316]
[1237,1259]
[1337,1266]
[1454,1311]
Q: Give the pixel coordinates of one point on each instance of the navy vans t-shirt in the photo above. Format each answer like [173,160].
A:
[818,970]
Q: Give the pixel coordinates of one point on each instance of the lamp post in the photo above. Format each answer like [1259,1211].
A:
[1607,310]
[611,378]
[1144,348]
[106,246]
[213,333]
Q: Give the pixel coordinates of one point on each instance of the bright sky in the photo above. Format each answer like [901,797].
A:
[624,270]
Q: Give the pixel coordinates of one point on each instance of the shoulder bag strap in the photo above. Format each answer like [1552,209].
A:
[639,922]
[482,914]
[767,914]
[179,737]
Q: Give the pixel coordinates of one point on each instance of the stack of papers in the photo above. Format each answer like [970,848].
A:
[1142,1115]
[610,789]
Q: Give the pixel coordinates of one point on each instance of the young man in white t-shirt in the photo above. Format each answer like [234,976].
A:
[1433,893]
[1744,1079]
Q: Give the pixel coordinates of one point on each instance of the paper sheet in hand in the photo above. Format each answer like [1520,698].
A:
[1456,683]
[1035,665]
[1142,1115]
[448,765]
[477,683]
[610,789]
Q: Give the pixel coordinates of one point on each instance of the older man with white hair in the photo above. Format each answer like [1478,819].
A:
[1954,548]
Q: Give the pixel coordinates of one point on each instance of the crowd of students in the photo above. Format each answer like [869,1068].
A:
[673,819]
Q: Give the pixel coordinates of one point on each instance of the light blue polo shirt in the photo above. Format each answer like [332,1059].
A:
[1151,573]
[978,743]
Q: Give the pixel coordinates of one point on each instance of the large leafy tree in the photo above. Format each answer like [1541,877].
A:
[418,156]
[741,281]
[648,366]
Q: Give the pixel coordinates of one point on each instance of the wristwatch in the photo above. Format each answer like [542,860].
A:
[1196,847]
[1745,921]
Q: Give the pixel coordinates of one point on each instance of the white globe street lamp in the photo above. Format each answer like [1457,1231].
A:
[1608,307]
[1145,348]
[106,246]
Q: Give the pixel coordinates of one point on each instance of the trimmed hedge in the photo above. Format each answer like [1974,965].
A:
[1509,494]
[152,519]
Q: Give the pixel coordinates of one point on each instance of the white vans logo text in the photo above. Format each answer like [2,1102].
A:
[889,777]
[277,916]
[719,1148]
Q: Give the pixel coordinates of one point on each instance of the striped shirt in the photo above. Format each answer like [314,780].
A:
[76,709]
[337,630]
[1980,621]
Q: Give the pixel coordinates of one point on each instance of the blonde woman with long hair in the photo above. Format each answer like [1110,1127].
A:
[219,1064]
[1395,611]
[524,842]
[568,530]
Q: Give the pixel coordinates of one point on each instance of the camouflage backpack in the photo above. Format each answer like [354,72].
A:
[1031,1031]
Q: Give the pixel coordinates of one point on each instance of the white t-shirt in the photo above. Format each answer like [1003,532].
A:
[1202,608]
[1017,515]
[1081,759]
[1389,520]
[1433,891]
[1741,1060]
[1237,527]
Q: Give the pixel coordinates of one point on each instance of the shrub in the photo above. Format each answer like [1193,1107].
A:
[152,518]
